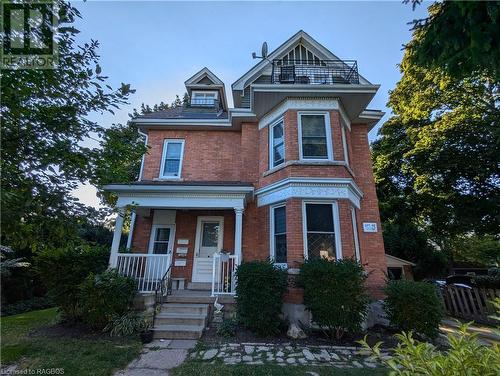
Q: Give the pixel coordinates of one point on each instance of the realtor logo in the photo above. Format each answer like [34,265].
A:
[28,30]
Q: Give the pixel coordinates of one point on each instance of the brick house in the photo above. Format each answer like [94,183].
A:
[284,175]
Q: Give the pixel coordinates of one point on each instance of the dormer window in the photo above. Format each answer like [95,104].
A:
[204,98]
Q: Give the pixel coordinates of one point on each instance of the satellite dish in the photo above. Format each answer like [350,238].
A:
[264,50]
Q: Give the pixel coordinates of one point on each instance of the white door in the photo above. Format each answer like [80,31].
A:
[209,235]
[161,244]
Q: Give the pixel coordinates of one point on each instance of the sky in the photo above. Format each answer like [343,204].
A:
[156,45]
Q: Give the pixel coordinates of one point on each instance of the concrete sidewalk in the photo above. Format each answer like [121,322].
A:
[158,358]
[486,334]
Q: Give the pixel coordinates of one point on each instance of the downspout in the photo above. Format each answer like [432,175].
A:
[133,216]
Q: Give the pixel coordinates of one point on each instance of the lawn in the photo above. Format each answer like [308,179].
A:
[194,368]
[77,355]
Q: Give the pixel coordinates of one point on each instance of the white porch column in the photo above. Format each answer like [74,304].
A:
[238,232]
[113,257]
[131,232]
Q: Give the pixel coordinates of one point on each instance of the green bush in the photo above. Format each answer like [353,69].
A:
[491,280]
[465,356]
[334,293]
[128,324]
[63,270]
[259,295]
[227,328]
[37,302]
[414,306]
[105,296]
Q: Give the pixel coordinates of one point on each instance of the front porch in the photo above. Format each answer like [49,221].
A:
[184,236]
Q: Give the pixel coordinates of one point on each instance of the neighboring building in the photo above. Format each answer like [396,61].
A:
[286,174]
[398,268]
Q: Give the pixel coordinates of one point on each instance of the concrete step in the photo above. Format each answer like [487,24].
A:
[200,286]
[191,298]
[185,308]
[175,318]
[178,331]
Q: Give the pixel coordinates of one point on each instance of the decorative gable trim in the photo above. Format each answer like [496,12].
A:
[197,77]
[285,48]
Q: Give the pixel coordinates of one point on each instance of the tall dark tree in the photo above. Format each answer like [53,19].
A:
[44,125]
[458,37]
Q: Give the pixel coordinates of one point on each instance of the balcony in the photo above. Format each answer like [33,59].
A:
[203,105]
[315,72]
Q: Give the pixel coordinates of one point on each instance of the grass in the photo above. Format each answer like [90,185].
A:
[194,368]
[77,356]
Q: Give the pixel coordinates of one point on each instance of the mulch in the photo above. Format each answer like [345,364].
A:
[68,330]
[314,338]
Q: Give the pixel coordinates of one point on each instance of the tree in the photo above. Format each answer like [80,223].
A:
[460,37]
[44,121]
[436,163]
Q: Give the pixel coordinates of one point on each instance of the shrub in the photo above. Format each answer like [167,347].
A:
[227,328]
[27,305]
[259,294]
[335,295]
[414,306]
[491,280]
[128,324]
[63,270]
[465,356]
[105,296]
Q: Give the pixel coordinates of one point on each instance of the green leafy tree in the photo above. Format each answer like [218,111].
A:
[436,162]
[460,37]
[44,121]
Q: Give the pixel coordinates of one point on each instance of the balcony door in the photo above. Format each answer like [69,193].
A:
[209,235]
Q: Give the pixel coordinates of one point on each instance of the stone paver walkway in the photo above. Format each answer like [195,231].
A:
[158,357]
[287,355]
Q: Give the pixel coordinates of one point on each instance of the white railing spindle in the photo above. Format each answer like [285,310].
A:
[147,269]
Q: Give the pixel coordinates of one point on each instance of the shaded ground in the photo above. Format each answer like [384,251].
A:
[35,342]
[316,338]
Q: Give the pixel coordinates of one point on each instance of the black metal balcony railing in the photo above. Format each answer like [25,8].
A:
[203,105]
[315,72]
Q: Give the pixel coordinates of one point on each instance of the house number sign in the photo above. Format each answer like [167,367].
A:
[369,227]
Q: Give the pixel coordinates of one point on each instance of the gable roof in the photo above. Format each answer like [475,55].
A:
[198,77]
[300,37]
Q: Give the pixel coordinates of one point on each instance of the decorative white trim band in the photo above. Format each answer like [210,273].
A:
[310,188]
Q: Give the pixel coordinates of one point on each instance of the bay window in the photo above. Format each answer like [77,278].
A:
[321,230]
[277,142]
[278,234]
[315,136]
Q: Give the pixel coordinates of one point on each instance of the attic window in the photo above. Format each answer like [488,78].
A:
[204,98]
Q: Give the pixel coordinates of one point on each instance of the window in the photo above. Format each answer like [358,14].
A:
[320,236]
[203,98]
[277,142]
[160,240]
[315,136]
[278,234]
[172,159]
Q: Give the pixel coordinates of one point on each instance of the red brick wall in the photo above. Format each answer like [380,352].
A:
[371,244]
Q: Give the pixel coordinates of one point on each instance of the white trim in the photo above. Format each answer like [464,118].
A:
[146,136]
[336,226]
[354,221]
[328,135]
[308,188]
[271,143]
[131,231]
[344,145]
[205,92]
[119,188]
[272,253]
[220,242]
[300,36]
[194,79]
[310,104]
[196,122]
[164,155]
[170,238]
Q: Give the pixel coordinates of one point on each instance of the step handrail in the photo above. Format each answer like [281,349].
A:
[163,288]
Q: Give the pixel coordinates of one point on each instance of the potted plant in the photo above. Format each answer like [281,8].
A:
[146,334]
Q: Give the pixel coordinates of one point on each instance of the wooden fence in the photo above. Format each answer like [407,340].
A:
[470,303]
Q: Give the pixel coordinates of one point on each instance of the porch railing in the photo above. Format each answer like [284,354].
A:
[224,274]
[146,269]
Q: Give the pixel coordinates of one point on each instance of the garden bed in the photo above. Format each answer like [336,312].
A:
[315,338]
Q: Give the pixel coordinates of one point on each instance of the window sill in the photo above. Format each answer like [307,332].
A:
[305,162]
[168,179]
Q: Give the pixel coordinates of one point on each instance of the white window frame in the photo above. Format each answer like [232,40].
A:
[164,156]
[328,133]
[216,97]
[357,252]
[271,146]
[272,252]
[336,226]
[344,144]
[170,239]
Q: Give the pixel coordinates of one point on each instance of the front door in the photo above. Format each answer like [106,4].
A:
[209,235]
